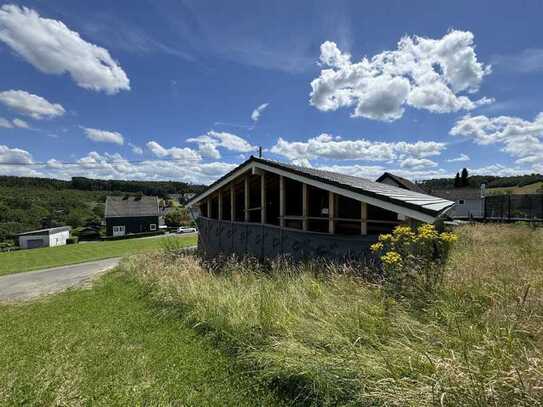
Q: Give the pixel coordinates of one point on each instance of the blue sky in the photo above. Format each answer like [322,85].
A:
[185,90]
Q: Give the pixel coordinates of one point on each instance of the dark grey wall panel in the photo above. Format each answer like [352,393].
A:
[271,244]
[239,240]
[264,241]
[255,240]
[226,237]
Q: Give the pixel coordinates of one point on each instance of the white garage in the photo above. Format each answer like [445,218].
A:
[44,237]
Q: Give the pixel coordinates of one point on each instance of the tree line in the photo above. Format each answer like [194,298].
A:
[464,180]
[158,188]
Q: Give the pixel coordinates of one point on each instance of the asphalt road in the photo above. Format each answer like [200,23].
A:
[31,284]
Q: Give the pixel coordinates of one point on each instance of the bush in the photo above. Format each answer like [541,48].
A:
[178,217]
[412,260]
[72,240]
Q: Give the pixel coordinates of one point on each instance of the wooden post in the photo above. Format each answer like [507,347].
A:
[232,203]
[331,212]
[263,199]
[246,203]
[209,207]
[364,218]
[281,201]
[220,205]
[304,206]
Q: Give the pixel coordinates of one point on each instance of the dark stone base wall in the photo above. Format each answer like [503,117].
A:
[264,241]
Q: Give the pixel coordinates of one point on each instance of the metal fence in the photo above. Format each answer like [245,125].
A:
[513,207]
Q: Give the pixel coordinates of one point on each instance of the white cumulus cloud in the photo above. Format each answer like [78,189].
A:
[521,139]
[10,156]
[423,73]
[209,143]
[335,148]
[255,116]
[15,123]
[53,48]
[14,155]
[185,154]
[31,105]
[461,157]
[115,166]
[104,136]
[417,163]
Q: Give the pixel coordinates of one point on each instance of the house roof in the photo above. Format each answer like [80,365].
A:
[131,206]
[402,182]
[413,204]
[47,231]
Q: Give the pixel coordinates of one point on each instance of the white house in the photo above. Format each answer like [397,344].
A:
[44,237]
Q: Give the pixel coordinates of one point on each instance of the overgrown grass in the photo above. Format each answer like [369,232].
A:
[26,260]
[322,335]
[109,346]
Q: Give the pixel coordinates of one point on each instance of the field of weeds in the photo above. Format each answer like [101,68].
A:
[325,334]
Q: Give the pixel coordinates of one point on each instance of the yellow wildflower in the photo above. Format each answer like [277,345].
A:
[376,247]
[391,258]
[403,232]
[427,232]
[385,238]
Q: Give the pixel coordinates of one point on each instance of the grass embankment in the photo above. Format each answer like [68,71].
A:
[109,346]
[534,188]
[26,260]
[325,336]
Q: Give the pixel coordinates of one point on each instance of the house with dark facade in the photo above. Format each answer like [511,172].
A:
[131,214]
[265,208]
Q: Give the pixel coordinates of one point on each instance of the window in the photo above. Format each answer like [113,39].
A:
[118,230]
[152,226]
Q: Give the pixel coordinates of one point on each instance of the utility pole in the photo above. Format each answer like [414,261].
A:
[260,152]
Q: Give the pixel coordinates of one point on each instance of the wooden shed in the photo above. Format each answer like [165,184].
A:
[265,208]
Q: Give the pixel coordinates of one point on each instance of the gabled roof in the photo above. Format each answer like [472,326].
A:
[413,204]
[131,206]
[402,182]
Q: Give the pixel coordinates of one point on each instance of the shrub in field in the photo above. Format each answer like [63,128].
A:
[412,259]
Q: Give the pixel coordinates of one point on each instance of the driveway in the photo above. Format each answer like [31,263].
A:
[31,284]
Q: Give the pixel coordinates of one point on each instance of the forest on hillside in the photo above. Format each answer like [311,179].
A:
[475,181]
[159,188]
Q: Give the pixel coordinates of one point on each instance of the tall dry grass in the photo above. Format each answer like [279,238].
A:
[322,335]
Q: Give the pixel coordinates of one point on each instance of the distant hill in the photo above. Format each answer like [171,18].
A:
[475,181]
[533,188]
[160,188]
